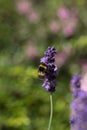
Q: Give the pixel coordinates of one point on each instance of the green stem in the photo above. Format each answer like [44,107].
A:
[51,112]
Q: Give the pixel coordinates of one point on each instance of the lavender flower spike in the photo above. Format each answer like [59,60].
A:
[75,85]
[78,109]
[51,71]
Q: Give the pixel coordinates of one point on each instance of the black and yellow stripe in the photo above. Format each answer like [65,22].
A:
[42,66]
[42,70]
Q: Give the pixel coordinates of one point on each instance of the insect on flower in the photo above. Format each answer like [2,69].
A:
[48,70]
[42,70]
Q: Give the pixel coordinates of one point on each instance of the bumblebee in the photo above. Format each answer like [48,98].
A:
[42,70]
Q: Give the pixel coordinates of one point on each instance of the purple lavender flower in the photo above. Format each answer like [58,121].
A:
[78,119]
[51,71]
[76,80]
[78,109]
[75,85]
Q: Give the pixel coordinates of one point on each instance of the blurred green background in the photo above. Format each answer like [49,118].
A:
[27,28]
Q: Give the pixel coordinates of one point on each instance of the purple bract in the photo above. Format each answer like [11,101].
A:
[75,85]
[51,72]
[78,119]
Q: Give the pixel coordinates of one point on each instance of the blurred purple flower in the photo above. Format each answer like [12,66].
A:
[68,20]
[62,56]
[70,26]
[78,109]
[63,13]
[84,82]
[84,66]
[51,72]
[54,26]
[75,85]
[31,51]
[23,7]
[68,30]
[78,119]
[33,17]
[76,81]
